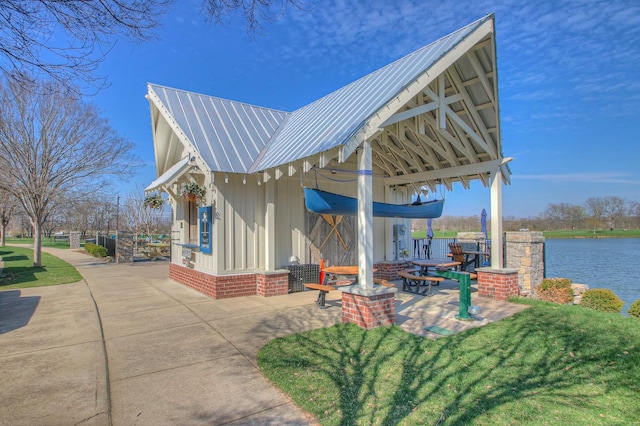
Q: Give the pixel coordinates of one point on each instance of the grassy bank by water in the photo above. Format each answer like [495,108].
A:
[549,364]
[19,271]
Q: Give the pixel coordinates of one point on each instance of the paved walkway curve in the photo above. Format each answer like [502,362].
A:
[173,356]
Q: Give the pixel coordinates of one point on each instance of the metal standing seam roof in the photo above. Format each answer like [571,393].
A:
[239,138]
[227,135]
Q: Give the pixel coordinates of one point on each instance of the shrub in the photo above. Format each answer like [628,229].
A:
[634,309]
[601,299]
[555,290]
[96,250]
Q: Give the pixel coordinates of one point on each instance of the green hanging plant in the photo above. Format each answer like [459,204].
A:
[193,192]
[154,201]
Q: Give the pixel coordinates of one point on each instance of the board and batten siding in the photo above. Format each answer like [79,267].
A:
[241,224]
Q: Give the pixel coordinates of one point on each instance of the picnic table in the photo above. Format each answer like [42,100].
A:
[425,264]
[155,250]
[330,285]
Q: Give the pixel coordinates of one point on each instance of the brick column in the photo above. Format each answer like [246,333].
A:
[389,270]
[272,283]
[369,308]
[498,284]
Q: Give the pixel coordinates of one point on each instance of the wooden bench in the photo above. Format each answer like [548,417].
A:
[323,289]
[322,293]
[412,282]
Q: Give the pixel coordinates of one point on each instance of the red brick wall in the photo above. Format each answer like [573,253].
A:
[226,286]
[369,311]
[389,270]
[272,284]
[498,286]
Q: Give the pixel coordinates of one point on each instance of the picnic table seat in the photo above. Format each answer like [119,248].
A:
[413,282]
[325,288]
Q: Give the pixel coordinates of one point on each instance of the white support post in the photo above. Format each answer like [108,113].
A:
[365,216]
[496,220]
[270,226]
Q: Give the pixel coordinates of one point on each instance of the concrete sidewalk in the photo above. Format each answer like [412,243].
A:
[173,356]
[129,346]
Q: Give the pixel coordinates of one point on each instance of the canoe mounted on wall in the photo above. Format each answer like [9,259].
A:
[323,202]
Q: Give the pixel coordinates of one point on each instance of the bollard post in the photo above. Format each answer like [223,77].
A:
[465,291]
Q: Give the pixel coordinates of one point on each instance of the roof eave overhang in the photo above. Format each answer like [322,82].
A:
[170,176]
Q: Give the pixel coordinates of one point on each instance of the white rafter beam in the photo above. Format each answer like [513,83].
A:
[484,81]
[472,111]
[450,172]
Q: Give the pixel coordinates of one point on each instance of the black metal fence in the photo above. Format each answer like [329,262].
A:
[109,243]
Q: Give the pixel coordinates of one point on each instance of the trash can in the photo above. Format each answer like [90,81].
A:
[301,274]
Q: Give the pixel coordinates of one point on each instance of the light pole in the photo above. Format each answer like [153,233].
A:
[117,215]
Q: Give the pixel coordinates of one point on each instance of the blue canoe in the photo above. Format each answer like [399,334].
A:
[323,202]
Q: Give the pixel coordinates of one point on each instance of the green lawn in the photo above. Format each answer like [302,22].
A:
[547,365]
[46,242]
[19,271]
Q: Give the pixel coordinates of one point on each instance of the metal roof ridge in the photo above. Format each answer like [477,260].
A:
[219,98]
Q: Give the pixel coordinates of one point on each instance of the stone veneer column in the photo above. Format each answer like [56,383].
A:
[471,237]
[498,284]
[524,251]
[369,308]
[74,240]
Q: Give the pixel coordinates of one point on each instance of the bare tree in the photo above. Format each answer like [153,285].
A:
[564,216]
[67,40]
[140,219]
[614,210]
[51,145]
[596,208]
[253,11]
[8,204]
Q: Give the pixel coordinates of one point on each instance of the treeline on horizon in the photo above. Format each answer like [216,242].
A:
[596,213]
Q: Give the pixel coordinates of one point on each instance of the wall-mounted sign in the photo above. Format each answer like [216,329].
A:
[186,253]
[205,217]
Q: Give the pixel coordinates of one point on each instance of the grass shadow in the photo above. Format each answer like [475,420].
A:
[547,364]
[20,275]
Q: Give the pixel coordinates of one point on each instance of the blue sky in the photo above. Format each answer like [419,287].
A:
[568,73]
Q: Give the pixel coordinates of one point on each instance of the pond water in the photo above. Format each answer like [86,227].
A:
[598,262]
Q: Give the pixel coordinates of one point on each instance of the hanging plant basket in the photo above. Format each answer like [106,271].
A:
[154,201]
[193,192]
